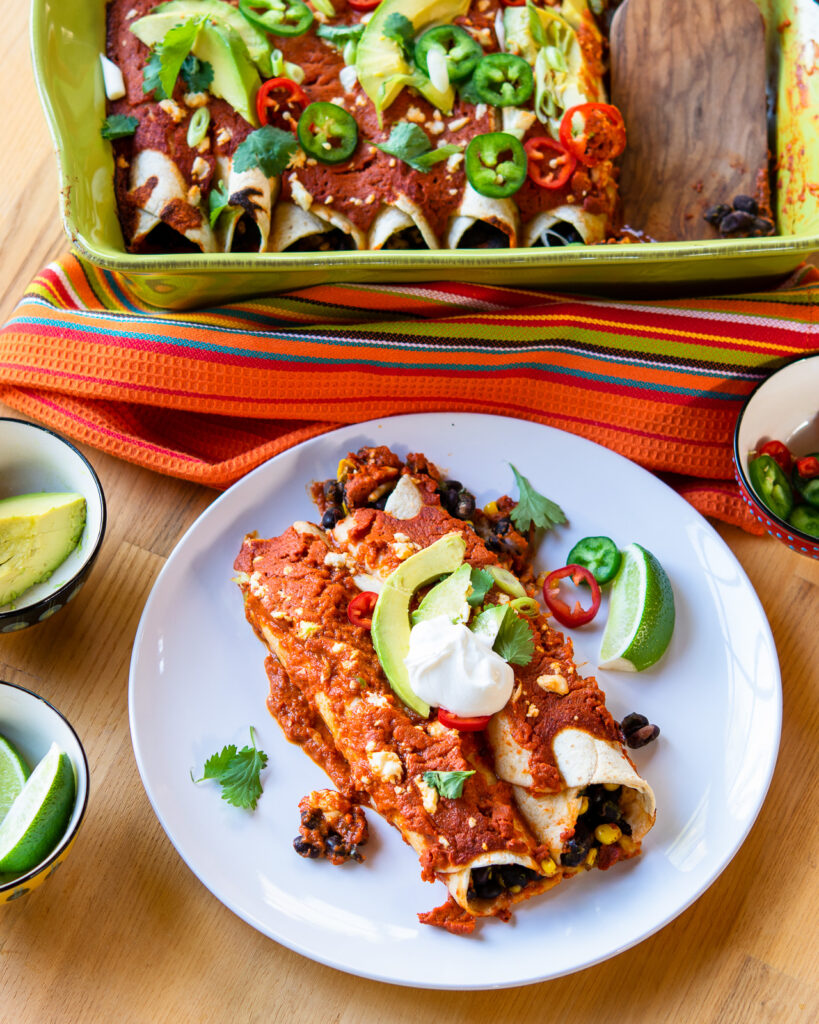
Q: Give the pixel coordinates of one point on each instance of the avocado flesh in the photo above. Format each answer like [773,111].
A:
[153,28]
[37,533]
[447,598]
[235,78]
[487,625]
[391,619]
[379,59]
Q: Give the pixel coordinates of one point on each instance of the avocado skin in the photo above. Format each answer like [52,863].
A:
[37,533]
[391,619]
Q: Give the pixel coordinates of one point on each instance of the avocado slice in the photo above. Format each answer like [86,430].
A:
[153,28]
[235,78]
[487,625]
[37,533]
[447,598]
[391,619]
[380,65]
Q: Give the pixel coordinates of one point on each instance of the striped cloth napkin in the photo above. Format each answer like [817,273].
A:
[209,395]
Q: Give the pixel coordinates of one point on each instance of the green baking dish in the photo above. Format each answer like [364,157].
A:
[68,35]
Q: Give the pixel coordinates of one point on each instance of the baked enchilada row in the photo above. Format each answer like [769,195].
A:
[499,807]
[280,125]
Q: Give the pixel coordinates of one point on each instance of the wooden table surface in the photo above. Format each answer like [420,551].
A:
[125,932]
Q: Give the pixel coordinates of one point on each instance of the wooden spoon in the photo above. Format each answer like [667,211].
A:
[689,78]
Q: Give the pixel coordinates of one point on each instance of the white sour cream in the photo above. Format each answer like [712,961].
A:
[450,667]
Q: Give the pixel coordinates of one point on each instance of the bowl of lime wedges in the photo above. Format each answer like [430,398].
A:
[43,790]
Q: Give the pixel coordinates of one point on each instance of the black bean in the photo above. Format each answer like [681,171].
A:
[449,499]
[643,736]
[332,492]
[577,848]
[334,843]
[762,226]
[735,223]
[609,811]
[515,874]
[331,517]
[625,828]
[381,502]
[493,544]
[465,505]
[453,485]
[633,722]
[714,214]
[747,204]
[311,819]
[502,526]
[305,849]
[486,884]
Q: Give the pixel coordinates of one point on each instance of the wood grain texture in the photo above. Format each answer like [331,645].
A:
[125,932]
[689,77]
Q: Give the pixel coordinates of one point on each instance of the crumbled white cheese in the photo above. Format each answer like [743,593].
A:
[204,145]
[458,123]
[306,628]
[196,99]
[386,765]
[194,195]
[301,527]
[429,795]
[173,110]
[378,700]
[402,551]
[435,127]
[480,110]
[200,168]
[416,115]
[553,684]
[453,162]
[223,136]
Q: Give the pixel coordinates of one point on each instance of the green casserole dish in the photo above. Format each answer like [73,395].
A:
[69,35]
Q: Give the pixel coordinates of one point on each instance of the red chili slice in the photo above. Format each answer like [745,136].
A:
[462,724]
[565,615]
[360,609]
[280,96]
[807,466]
[513,3]
[364,5]
[546,169]
[779,452]
[603,136]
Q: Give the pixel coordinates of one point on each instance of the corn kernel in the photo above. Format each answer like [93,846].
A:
[607,834]
[491,509]
[627,845]
[584,804]
[591,859]
[516,889]
[548,867]
[344,468]
[611,786]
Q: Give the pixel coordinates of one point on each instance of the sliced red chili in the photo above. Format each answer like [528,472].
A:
[513,3]
[565,615]
[780,453]
[360,609]
[280,102]
[364,5]
[550,166]
[600,134]
[807,466]
[451,721]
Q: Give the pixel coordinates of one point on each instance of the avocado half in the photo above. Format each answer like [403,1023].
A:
[391,619]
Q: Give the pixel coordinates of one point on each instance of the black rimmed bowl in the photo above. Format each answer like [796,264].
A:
[33,458]
[31,724]
[785,407]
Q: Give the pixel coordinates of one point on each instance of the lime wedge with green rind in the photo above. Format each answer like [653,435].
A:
[13,774]
[641,614]
[39,816]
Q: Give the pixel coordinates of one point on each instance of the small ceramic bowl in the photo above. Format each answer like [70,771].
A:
[785,407]
[33,458]
[31,725]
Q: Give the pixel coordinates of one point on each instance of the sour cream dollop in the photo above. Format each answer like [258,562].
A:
[450,667]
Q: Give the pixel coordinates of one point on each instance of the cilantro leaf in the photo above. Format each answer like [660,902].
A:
[400,29]
[237,772]
[514,642]
[268,148]
[196,74]
[481,583]
[118,126]
[340,35]
[533,507]
[218,201]
[166,59]
[410,143]
[448,784]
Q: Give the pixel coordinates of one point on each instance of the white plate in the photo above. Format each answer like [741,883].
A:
[198,682]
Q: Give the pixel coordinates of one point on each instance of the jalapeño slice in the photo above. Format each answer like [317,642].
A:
[503,80]
[496,164]
[461,51]
[600,555]
[327,133]
[279,17]
[771,484]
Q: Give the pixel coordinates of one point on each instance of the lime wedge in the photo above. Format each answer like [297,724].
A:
[641,613]
[37,820]
[13,774]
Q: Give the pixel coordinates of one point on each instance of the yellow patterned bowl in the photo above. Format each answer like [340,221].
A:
[31,724]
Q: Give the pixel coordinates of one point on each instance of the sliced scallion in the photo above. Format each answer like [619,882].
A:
[198,127]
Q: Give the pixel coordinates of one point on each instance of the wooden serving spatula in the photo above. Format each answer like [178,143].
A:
[689,77]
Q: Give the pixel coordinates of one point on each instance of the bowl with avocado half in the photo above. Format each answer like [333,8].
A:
[52,521]
[776,454]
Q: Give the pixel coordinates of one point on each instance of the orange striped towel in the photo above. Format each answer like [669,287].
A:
[209,395]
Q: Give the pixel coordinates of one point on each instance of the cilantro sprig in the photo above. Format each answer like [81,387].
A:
[237,772]
[268,148]
[448,784]
[480,583]
[196,74]
[410,143]
[118,126]
[533,507]
[401,30]
[168,57]
[218,201]
[514,642]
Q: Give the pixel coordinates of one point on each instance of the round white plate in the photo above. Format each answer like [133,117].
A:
[198,683]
